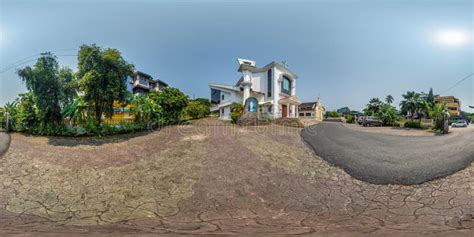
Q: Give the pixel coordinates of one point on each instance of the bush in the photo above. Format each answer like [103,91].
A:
[412,124]
[172,101]
[333,114]
[197,109]
[237,110]
[349,118]
[387,114]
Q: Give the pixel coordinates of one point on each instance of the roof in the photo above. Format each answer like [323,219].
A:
[279,66]
[144,74]
[306,106]
[253,68]
[222,86]
[151,78]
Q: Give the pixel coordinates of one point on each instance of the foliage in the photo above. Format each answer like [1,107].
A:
[430,98]
[412,124]
[43,81]
[438,114]
[69,86]
[236,111]
[387,114]
[75,111]
[198,108]
[332,114]
[11,109]
[349,118]
[172,101]
[26,118]
[412,104]
[146,111]
[102,75]
[389,99]
[373,106]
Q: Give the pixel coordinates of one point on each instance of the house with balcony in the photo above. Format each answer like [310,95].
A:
[270,90]
[452,104]
[142,83]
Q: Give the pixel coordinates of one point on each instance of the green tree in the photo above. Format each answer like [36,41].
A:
[389,99]
[387,114]
[437,113]
[373,106]
[102,76]
[76,111]
[26,114]
[172,101]
[69,86]
[146,110]
[11,108]
[412,104]
[430,98]
[198,108]
[43,81]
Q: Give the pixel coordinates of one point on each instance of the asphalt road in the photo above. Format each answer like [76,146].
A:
[386,159]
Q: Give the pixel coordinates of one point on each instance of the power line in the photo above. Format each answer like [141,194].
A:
[457,83]
[35,55]
[23,62]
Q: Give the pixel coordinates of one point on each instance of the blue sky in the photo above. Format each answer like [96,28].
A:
[345,51]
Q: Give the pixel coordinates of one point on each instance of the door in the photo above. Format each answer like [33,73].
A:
[284,111]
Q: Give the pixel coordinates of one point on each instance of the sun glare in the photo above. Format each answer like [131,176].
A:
[452,37]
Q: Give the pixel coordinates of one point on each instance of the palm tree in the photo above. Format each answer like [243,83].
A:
[389,99]
[373,106]
[412,104]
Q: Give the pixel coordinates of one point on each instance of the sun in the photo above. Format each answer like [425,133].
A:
[452,37]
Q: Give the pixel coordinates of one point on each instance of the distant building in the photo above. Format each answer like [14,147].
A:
[452,103]
[312,110]
[142,83]
[344,111]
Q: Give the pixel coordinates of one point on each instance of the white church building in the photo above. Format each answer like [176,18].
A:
[270,90]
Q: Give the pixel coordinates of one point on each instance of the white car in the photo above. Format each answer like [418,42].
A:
[460,123]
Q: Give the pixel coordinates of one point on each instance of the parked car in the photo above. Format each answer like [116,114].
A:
[371,121]
[460,123]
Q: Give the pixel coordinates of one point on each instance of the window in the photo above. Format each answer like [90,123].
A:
[215,96]
[222,98]
[286,85]
[301,114]
[269,83]
[308,114]
[143,81]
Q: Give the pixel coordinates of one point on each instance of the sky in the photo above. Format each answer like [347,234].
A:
[345,51]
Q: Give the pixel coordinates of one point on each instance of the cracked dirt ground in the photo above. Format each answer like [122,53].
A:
[212,178]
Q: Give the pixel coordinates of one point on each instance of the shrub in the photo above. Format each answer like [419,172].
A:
[172,101]
[237,109]
[349,118]
[333,114]
[412,124]
[387,114]
[198,109]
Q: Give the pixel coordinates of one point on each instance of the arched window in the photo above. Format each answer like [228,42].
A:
[251,104]
[286,85]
